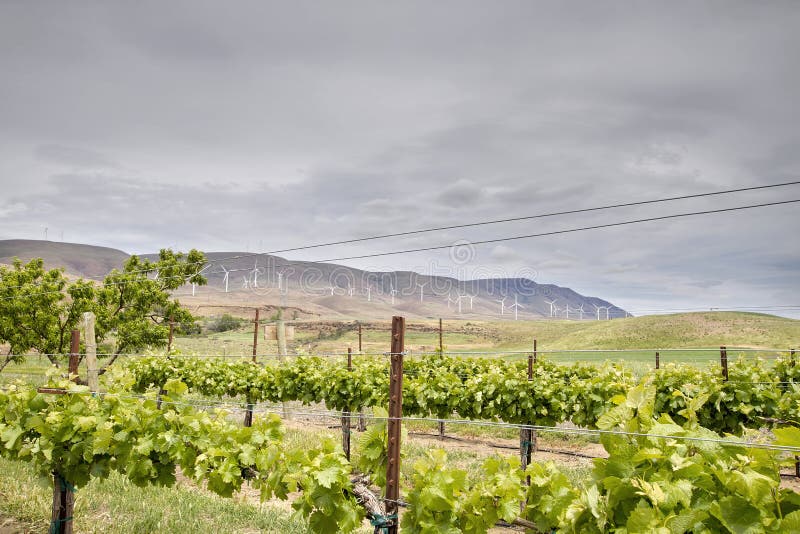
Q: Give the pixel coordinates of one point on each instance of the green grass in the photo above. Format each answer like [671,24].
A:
[684,330]
[116,505]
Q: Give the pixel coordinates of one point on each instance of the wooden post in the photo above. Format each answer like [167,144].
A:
[63,505]
[527,435]
[248,412]
[255,337]
[723,360]
[91,351]
[346,414]
[359,337]
[74,354]
[171,334]
[658,361]
[535,352]
[280,330]
[791,357]
[441,352]
[394,423]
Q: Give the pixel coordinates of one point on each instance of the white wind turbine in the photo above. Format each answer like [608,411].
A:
[458,301]
[607,308]
[393,292]
[333,289]
[552,306]
[245,282]
[449,301]
[421,292]
[369,294]
[502,302]
[516,307]
[350,289]
[254,273]
[470,297]
[225,278]
[597,309]
[567,310]
[580,311]
[280,279]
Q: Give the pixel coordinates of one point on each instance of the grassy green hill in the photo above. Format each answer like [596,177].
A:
[682,330]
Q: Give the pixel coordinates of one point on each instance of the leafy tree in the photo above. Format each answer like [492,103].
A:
[133,306]
[225,323]
[38,308]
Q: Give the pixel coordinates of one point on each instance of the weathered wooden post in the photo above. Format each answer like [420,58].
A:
[255,337]
[723,360]
[171,334]
[394,423]
[346,414]
[527,435]
[280,332]
[441,352]
[91,352]
[658,360]
[63,505]
[74,355]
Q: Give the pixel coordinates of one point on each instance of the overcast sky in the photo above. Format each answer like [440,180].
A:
[259,126]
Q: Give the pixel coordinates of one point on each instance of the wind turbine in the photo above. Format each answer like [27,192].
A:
[245,282]
[552,306]
[393,292]
[421,292]
[369,294]
[470,297]
[449,301]
[254,272]
[567,310]
[502,302]
[516,307]
[607,308]
[280,279]
[225,278]
[458,301]
[332,288]
[580,310]
[597,308]
[350,289]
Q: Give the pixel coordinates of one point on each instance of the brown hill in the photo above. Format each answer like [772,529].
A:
[87,261]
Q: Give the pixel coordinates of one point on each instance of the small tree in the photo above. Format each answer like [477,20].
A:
[38,308]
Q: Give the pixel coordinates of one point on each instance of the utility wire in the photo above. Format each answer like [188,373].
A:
[529,217]
[483,223]
[567,231]
[503,239]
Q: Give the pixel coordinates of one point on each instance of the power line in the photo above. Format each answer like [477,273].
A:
[567,231]
[529,217]
[502,239]
[489,222]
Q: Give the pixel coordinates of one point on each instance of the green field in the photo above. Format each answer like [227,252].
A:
[740,332]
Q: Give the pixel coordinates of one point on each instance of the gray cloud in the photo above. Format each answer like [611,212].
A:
[272,125]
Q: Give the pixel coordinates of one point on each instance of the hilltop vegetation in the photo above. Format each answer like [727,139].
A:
[681,330]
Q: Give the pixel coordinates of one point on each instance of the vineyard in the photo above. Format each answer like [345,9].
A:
[688,449]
